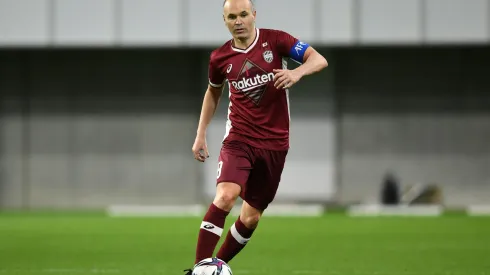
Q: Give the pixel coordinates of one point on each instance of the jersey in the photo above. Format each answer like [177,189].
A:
[258,113]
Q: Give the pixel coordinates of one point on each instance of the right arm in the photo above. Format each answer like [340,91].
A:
[209,105]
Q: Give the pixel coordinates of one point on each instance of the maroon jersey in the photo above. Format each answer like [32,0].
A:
[258,113]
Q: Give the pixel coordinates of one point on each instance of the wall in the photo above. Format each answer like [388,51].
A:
[92,127]
[422,113]
[130,23]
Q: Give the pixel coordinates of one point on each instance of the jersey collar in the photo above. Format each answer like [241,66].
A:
[249,47]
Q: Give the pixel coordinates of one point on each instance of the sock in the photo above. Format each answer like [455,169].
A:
[210,232]
[235,241]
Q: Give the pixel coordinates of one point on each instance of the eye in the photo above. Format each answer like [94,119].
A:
[231,16]
[243,14]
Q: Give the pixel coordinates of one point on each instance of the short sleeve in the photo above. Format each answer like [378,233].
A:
[216,77]
[290,46]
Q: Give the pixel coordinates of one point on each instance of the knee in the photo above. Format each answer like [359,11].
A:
[251,220]
[226,197]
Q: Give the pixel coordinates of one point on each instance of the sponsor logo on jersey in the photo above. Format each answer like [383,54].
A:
[252,81]
[228,70]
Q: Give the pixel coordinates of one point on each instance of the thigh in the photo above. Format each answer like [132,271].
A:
[264,179]
[234,164]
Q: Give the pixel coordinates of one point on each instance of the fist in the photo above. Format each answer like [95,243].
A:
[200,149]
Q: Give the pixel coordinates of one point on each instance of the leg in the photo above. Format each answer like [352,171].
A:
[233,171]
[240,232]
[214,220]
[250,216]
[226,195]
[259,192]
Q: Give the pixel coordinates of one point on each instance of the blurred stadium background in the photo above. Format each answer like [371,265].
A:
[100,100]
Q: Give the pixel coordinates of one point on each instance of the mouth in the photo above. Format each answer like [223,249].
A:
[239,30]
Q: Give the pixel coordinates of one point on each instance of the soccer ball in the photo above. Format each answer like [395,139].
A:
[211,266]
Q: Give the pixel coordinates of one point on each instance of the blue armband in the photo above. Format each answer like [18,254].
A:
[297,52]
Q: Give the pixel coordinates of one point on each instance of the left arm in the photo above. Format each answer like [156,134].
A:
[313,62]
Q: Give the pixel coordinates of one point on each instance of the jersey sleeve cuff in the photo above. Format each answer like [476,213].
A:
[216,85]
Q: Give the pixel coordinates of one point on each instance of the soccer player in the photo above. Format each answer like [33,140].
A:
[256,141]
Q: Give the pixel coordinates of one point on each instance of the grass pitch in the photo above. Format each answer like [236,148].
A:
[334,244]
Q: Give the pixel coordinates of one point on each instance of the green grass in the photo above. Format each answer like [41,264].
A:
[335,244]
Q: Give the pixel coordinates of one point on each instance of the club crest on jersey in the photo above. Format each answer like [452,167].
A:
[268,57]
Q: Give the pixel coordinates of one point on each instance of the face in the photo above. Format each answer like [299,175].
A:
[239,18]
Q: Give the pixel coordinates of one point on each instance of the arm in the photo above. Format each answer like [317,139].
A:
[309,59]
[209,105]
[313,62]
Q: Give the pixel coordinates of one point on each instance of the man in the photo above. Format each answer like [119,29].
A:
[256,140]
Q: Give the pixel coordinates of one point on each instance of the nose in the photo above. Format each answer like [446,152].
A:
[238,21]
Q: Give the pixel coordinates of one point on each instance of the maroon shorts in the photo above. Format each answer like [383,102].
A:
[257,171]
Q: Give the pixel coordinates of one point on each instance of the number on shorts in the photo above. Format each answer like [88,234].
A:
[220,164]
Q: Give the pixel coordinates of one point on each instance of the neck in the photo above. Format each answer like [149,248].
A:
[245,42]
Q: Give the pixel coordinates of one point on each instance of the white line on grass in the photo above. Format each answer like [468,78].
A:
[74,270]
[62,271]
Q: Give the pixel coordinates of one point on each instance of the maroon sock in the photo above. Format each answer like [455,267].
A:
[235,241]
[210,232]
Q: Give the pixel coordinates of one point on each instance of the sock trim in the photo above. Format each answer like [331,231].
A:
[212,228]
[239,238]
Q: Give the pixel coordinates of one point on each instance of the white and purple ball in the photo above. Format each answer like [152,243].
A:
[211,266]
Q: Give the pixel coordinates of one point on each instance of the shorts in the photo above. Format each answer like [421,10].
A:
[257,171]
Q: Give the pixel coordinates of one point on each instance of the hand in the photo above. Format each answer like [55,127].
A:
[285,78]
[200,149]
